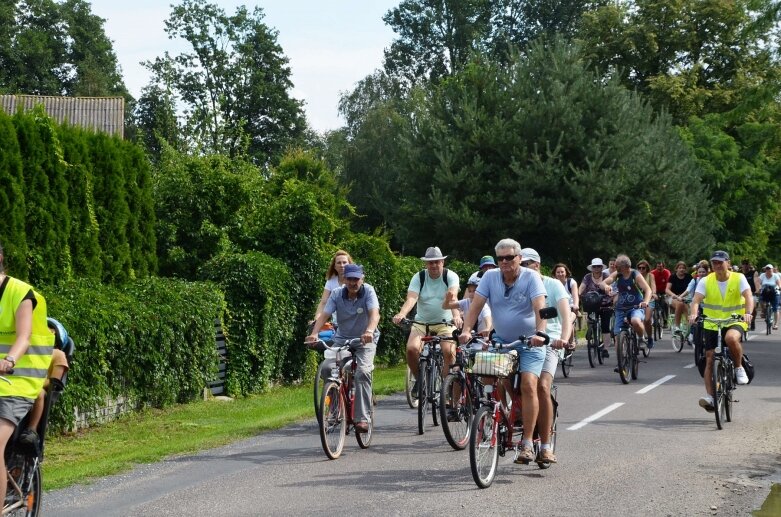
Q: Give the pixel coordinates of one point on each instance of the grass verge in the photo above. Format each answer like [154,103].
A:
[153,434]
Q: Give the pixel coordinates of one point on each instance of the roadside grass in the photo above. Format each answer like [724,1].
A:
[152,435]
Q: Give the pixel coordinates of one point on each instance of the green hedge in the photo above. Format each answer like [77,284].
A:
[152,340]
[261,297]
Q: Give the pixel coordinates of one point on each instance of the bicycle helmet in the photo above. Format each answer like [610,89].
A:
[60,334]
[474,279]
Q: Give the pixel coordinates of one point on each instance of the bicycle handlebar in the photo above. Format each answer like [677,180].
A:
[350,344]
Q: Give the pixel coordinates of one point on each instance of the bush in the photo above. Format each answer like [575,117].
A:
[152,341]
[261,297]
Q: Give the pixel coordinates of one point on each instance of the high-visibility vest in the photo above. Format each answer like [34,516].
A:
[31,368]
[718,307]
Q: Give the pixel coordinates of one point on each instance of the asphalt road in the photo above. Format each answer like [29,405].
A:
[655,452]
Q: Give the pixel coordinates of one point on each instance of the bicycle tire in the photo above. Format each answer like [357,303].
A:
[436,388]
[591,347]
[553,394]
[769,318]
[409,383]
[333,422]
[422,394]
[457,432]
[646,351]
[365,439]
[566,363]
[728,390]
[677,341]
[634,356]
[483,447]
[717,385]
[623,353]
[26,472]
[317,389]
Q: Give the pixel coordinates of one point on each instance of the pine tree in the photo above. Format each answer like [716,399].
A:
[12,203]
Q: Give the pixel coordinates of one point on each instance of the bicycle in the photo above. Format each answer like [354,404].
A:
[628,351]
[768,295]
[592,305]
[461,392]
[658,320]
[337,402]
[493,427]
[23,462]
[681,337]
[722,373]
[565,358]
[326,336]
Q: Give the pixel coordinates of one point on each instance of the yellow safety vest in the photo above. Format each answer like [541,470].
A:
[32,368]
[718,307]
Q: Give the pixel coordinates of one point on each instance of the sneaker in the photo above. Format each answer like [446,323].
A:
[740,374]
[453,416]
[707,403]
[525,455]
[642,343]
[546,456]
[28,438]
[361,427]
[650,343]
[414,390]
[605,354]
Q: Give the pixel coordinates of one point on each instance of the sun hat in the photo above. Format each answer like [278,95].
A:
[595,262]
[474,279]
[487,260]
[769,266]
[433,253]
[353,271]
[530,254]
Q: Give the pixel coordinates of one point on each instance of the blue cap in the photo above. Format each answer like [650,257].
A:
[353,271]
[723,256]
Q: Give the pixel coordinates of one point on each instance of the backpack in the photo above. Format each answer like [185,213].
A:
[422,277]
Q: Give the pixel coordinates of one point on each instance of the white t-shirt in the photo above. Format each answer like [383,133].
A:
[484,313]
[332,283]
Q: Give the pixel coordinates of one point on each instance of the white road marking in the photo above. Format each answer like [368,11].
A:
[595,416]
[655,384]
[690,365]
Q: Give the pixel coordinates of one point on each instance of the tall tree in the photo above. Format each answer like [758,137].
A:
[156,122]
[234,84]
[12,204]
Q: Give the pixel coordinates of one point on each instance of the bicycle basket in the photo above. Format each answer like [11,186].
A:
[493,364]
[591,302]
[768,293]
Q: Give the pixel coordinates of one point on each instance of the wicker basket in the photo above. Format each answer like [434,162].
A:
[493,364]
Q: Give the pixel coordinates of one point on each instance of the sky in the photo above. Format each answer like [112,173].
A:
[331,44]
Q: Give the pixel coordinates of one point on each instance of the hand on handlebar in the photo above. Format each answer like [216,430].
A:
[311,338]
[536,340]
[397,319]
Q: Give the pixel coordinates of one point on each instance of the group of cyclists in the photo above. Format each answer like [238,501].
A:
[504,299]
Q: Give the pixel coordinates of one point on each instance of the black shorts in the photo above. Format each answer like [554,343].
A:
[710,337]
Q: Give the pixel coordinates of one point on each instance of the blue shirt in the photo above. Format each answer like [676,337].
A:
[511,306]
[353,314]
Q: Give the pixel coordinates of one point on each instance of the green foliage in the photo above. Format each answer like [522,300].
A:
[141,230]
[155,120]
[12,202]
[234,83]
[262,297]
[152,341]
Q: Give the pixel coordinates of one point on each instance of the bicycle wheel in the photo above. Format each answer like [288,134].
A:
[408,385]
[591,346]
[333,422]
[436,389]
[634,357]
[423,376]
[677,341]
[566,363]
[365,439]
[717,385]
[456,411]
[728,390]
[769,318]
[317,389]
[483,447]
[623,354]
[25,473]
[554,427]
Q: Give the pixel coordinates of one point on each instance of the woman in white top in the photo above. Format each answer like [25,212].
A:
[334,278]
[768,278]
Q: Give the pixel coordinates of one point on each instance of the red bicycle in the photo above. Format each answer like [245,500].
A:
[495,423]
[337,402]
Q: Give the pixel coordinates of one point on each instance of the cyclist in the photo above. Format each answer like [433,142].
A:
[590,284]
[562,273]
[334,277]
[484,321]
[750,273]
[429,289]
[675,288]
[768,286]
[721,294]
[516,294]
[611,265]
[661,277]
[645,269]
[26,347]
[358,310]
[559,330]
[631,289]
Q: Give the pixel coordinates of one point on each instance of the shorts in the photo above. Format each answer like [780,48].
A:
[709,337]
[551,360]
[440,329]
[623,313]
[531,360]
[14,409]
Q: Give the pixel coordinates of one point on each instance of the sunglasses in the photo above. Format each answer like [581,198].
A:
[505,258]
[526,263]
[642,267]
